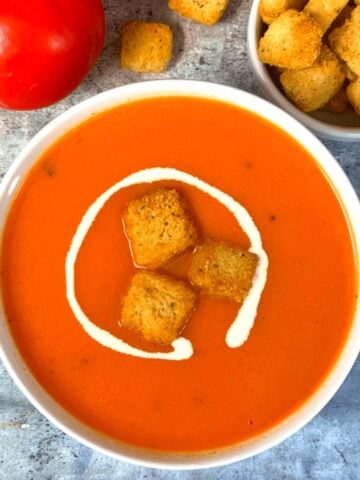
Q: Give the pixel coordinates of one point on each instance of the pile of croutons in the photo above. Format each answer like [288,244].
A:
[315,49]
[159,227]
[146,47]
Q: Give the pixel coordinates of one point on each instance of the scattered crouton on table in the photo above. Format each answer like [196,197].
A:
[146,47]
[292,41]
[208,12]
[157,307]
[222,271]
[312,87]
[159,227]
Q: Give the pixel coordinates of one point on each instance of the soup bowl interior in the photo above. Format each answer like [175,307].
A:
[345,126]
[59,416]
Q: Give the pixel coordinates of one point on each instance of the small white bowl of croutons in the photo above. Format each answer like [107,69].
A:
[306,55]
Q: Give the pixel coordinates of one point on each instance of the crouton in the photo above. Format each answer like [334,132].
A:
[271,9]
[339,102]
[353,93]
[292,41]
[312,87]
[157,307]
[207,12]
[158,227]
[146,47]
[345,41]
[325,11]
[222,271]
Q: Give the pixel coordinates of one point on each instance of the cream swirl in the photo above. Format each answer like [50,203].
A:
[240,328]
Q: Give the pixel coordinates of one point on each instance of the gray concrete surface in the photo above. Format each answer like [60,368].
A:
[326,449]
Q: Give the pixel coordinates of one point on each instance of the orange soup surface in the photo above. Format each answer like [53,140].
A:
[221,395]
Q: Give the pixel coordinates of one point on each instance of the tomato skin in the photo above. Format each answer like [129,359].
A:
[47,47]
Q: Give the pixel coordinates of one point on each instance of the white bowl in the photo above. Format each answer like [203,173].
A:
[64,420]
[345,126]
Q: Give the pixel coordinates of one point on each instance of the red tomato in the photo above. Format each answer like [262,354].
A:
[47,47]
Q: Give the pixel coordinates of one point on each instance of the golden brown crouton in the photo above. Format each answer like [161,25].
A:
[203,11]
[271,9]
[292,41]
[157,307]
[339,102]
[312,87]
[345,41]
[325,11]
[145,47]
[223,271]
[353,93]
[159,227]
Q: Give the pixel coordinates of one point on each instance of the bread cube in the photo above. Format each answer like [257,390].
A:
[222,271]
[271,9]
[146,47]
[345,41]
[353,93]
[325,11]
[339,102]
[292,41]
[207,12]
[157,307]
[158,226]
[312,87]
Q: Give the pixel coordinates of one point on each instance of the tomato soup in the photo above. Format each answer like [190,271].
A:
[220,396]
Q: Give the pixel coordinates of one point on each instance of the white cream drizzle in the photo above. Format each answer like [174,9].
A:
[239,330]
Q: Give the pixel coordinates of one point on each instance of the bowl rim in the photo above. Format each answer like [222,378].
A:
[324,129]
[58,415]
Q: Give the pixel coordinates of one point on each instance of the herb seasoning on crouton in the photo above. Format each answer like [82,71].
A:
[345,41]
[222,271]
[312,87]
[207,12]
[159,227]
[157,307]
[325,11]
[292,41]
[146,47]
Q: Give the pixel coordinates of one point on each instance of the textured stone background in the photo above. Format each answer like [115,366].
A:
[326,449]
